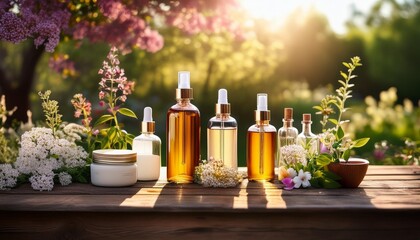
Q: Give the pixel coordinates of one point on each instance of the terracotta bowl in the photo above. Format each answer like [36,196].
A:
[351,172]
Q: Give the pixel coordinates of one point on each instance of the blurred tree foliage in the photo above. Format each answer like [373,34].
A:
[295,65]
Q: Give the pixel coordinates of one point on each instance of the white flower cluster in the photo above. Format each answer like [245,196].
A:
[41,153]
[214,174]
[8,176]
[293,154]
[72,132]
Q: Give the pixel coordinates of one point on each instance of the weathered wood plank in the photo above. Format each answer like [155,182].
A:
[225,201]
[288,225]
[385,206]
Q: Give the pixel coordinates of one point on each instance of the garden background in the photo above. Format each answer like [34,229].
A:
[296,62]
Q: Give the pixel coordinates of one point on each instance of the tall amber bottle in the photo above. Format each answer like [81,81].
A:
[182,134]
[261,144]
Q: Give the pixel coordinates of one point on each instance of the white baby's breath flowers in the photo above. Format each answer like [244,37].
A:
[43,182]
[214,174]
[41,154]
[71,131]
[293,154]
[64,178]
[8,176]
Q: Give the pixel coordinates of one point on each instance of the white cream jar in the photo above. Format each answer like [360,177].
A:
[113,168]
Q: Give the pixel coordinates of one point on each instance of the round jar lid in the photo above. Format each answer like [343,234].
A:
[114,156]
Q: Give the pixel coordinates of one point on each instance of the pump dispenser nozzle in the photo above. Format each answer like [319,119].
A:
[262,113]
[262,102]
[147,114]
[184,91]
[183,80]
[147,125]
[222,97]
[222,106]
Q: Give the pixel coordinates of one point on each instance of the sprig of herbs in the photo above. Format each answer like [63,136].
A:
[50,108]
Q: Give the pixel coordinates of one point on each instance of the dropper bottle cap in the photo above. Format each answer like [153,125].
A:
[147,125]
[222,106]
[184,91]
[262,114]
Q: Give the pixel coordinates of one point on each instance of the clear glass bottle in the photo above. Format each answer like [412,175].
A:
[182,134]
[261,144]
[222,133]
[148,148]
[306,138]
[287,134]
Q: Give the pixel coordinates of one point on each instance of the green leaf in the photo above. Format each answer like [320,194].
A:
[323,160]
[334,121]
[343,75]
[127,112]
[331,175]
[360,142]
[329,183]
[315,182]
[346,65]
[340,133]
[346,154]
[318,108]
[103,119]
[342,82]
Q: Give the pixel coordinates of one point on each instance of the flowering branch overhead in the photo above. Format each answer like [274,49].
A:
[125,24]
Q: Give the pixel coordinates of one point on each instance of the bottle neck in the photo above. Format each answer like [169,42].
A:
[262,122]
[287,123]
[223,116]
[183,101]
[306,128]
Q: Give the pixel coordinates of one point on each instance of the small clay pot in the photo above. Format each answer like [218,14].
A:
[351,172]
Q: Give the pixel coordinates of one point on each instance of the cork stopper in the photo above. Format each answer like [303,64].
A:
[288,113]
[306,118]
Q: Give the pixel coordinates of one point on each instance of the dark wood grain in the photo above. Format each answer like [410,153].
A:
[385,206]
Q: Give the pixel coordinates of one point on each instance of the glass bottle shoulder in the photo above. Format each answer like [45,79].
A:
[265,128]
[184,106]
[147,137]
[288,132]
[225,122]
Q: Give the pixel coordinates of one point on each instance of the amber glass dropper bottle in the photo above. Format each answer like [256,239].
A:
[261,144]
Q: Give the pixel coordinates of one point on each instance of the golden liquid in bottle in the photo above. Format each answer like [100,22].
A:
[222,145]
[183,145]
[261,150]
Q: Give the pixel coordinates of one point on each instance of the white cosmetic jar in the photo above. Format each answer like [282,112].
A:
[113,168]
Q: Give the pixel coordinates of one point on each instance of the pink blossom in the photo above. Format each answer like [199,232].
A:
[101,96]
[77,113]
[288,183]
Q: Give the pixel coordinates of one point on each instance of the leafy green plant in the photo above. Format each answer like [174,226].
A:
[336,144]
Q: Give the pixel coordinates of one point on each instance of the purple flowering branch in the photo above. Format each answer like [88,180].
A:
[114,86]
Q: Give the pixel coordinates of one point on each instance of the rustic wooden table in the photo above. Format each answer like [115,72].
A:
[385,206]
